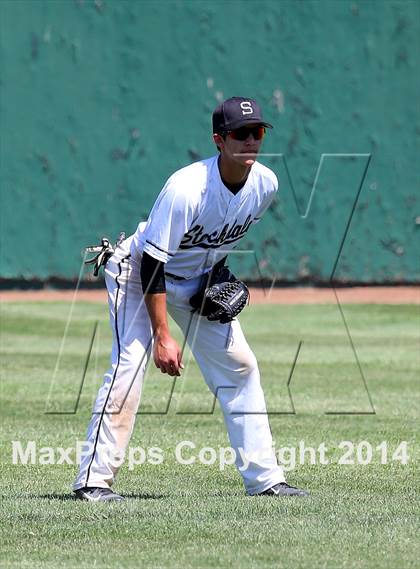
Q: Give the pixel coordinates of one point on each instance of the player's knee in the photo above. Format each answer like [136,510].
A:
[124,400]
[244,362]
[126,386]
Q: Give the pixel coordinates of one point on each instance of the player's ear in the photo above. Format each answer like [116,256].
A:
[219,141]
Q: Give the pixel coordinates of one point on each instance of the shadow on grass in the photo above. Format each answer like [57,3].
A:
[72,497]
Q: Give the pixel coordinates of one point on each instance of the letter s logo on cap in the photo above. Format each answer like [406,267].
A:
[246,108]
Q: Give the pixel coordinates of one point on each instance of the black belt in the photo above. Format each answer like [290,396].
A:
[175,277]
[216,267]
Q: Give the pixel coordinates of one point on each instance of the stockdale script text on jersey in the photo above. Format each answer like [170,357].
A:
[196,237]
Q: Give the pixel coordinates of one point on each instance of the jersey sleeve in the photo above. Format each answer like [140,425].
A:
[168,222]
[267,201]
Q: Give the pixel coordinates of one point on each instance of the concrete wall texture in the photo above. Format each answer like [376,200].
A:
[101,100]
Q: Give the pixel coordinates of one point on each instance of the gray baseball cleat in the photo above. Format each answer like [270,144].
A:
[97,495]
[283,489]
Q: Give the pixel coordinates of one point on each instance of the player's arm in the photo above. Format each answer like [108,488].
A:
[169,220]
[166,352]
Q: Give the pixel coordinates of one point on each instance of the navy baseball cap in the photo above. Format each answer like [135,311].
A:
[236,112]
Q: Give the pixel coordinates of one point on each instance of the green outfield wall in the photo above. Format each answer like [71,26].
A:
[102,100]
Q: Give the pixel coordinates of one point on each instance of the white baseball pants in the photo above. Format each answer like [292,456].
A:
[226,361]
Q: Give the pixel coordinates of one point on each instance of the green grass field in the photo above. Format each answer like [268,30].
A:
[196,516]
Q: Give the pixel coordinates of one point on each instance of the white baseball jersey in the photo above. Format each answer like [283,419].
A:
[196,220]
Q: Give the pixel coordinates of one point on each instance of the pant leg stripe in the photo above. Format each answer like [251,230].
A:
[117,336]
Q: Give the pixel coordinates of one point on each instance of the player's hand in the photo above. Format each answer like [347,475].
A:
[167,355]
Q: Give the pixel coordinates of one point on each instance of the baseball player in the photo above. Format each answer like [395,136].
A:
[203,212]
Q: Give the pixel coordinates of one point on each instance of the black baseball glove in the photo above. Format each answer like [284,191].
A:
[222,296]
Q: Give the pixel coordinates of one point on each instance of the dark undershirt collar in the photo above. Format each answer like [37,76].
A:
[233,188]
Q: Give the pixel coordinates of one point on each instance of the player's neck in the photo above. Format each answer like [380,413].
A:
[231,172]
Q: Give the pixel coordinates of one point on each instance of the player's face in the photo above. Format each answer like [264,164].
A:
[242,145]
